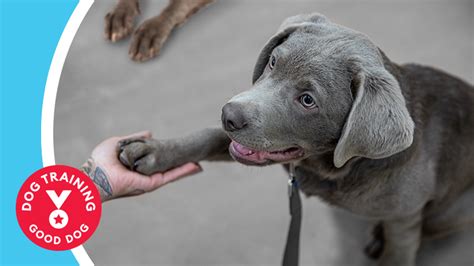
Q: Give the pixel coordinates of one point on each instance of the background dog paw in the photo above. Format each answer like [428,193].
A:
[119,23]
[149,38]
[140,155]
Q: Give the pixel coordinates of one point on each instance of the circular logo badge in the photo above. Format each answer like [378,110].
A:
[58,207]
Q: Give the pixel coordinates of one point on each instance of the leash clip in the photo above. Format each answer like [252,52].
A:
[291,179]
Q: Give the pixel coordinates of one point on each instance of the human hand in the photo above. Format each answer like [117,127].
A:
[113,180]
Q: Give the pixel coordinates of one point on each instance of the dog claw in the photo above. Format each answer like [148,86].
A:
[135,166]
[124,159]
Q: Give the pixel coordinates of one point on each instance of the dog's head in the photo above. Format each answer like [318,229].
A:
[318,87]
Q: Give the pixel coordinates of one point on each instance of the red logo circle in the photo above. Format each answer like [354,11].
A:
[58,207]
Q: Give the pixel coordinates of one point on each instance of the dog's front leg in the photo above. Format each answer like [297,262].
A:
[402,239]
[152,34]
[148,156]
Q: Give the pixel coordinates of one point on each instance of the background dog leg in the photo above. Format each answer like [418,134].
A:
[152,34]
[149,156]
[402,240]
[120,21]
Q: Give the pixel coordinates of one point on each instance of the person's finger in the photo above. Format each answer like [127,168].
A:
[174,174]
[142,134]
[181,171]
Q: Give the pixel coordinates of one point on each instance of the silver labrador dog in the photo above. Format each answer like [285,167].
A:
[388,142]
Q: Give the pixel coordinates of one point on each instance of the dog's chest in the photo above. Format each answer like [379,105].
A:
[362,196]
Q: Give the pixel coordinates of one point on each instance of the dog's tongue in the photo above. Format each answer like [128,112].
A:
[249,154]
[242,149]
[264,156]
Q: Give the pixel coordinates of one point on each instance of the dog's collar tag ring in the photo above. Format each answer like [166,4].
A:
[291,255]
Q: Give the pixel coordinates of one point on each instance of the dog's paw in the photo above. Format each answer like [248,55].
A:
[119,22]
[149,38]
[375,247]
[141,155]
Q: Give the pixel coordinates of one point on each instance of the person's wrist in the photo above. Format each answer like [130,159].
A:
[100,178]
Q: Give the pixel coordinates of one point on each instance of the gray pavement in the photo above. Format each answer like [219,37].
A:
[232,214]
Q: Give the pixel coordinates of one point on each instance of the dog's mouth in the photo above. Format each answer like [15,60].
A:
[250,156]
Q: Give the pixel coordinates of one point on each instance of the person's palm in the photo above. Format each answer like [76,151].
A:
[124,182]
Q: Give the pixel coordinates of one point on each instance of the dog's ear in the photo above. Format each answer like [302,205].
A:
[378,124]
[288,26]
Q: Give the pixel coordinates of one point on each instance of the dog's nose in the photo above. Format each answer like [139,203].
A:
[233,117]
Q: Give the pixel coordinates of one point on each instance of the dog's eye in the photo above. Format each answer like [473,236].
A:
[307,101]
[272,62]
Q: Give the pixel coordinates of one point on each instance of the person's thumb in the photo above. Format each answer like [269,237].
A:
[142,134]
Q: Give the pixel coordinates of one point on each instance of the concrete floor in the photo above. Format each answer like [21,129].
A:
[231,214]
